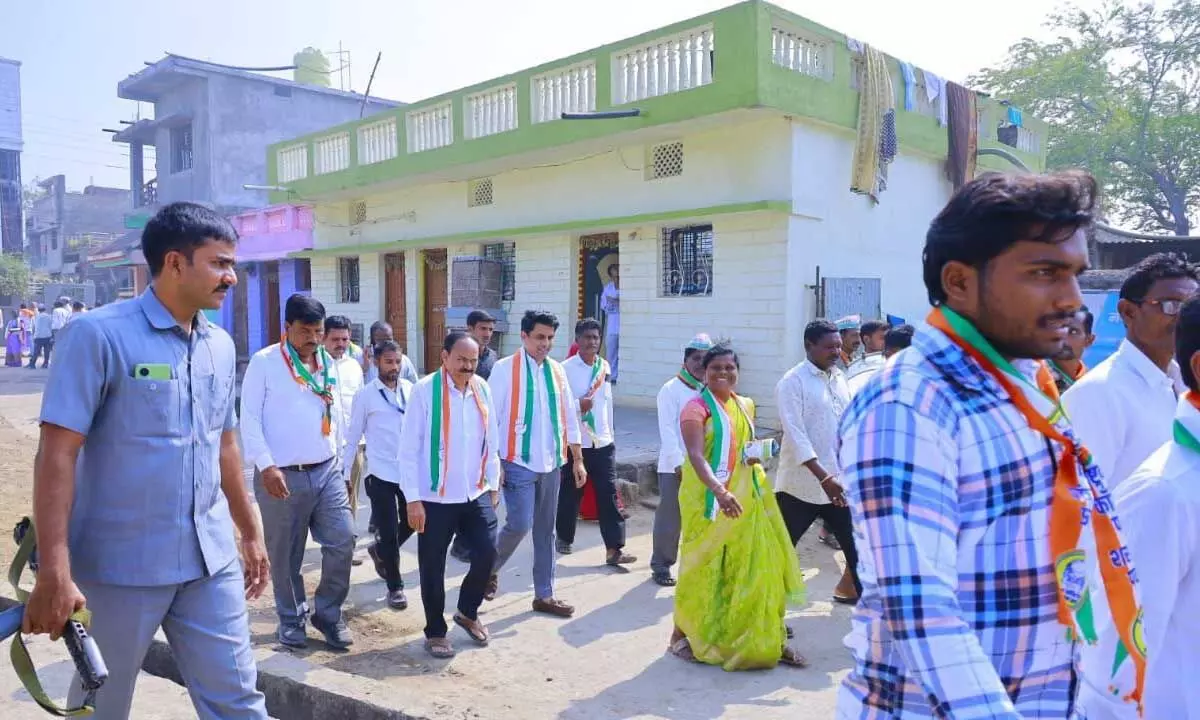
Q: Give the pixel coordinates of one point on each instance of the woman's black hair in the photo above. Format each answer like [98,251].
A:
[721,350]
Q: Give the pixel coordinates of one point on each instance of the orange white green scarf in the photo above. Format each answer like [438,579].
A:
[688,379]
[521,410]
[440,431]
[1071,513]
[1062,378]
[304,378]
[723,455]
[600,372]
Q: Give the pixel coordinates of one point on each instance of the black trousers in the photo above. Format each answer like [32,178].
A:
[601,467]
[799,515]
[389,515]
[41,346]
[469,521]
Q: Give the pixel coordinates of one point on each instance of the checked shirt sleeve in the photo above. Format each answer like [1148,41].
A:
[901,478]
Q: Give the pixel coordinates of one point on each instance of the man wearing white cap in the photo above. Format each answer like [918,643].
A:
[848,327]
[675,393]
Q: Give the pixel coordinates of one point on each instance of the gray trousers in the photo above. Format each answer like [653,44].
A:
[531,503]
[666,524]
[318,502]
[612,348]
[207,628]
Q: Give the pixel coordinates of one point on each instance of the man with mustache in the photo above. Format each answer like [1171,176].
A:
[292,431]
[1124,408]
[983,524]
[138,499]
[1068,368]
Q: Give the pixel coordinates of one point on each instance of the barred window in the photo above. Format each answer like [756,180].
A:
[687,261]
[506,253]
[348,285]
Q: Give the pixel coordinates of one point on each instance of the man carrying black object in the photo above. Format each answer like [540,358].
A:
[450,474]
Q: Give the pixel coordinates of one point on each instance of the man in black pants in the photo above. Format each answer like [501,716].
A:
[811,398]
[588,375]
[379,412]
[451,470]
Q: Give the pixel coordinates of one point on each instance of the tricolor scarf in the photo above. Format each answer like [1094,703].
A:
[688,379]
[600,371]
[440,431]
[1070,510]
[521,410]
[1062,378]
[1184,435]
[723,455]
[304,378]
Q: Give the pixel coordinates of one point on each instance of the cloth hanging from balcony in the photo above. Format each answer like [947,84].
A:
[963,134]
[1015,116]
[876,145]
[910,86]
[935,90]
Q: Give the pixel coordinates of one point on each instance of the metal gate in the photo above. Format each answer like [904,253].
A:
[839,297]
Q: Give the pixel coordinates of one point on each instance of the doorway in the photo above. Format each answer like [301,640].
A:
[436,276]
[271,320]
[597,253]
[395,310]
[241,319]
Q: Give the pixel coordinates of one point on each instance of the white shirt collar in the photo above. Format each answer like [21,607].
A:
[1144,366]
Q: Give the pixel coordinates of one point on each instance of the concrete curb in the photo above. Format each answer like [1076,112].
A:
[286,696]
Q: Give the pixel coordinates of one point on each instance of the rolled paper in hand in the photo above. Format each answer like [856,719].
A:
[761,450]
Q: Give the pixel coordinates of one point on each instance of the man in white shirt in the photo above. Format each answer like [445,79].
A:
[348,374]
[894,340]
[811,398]
[43,337]
[610,303]
[451,418]
[292,428]
[672,396]
[539,421]
[1159,507]
[378,415]
[588,376]
[1122,409]
[381,331]
[872,334]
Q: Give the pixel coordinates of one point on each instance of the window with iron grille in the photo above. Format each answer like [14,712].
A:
[506,253]
[348,279]
[687,261]
[181,148]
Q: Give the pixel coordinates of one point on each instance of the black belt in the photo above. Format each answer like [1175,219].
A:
[306,467]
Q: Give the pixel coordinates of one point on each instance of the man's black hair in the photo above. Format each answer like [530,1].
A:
[898,338]
[377,326]
[817,329]
[337,322]
[453,338]
[1087,318]
[689,352]
[476,317]
[871,327]
[77,305]
[182,227]
[533,318]
[994,211]
[303,309]
[1151,269]
[586,324]
[387,346]
[1187,340]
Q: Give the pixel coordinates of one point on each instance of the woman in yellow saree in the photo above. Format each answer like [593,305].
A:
[738,569]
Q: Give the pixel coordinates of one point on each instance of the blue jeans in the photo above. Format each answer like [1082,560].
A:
[532,504]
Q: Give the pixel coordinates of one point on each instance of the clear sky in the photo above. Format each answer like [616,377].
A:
[75,51]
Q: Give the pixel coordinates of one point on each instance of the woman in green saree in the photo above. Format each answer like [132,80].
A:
[738,569]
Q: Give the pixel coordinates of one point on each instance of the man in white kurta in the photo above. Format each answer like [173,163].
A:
[450,474]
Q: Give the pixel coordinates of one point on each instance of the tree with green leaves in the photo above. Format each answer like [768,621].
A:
[1120,87]
[14,275]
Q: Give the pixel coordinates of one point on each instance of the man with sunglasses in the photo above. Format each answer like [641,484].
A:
[1123,409]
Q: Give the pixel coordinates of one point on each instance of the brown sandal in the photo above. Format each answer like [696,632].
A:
[682,649]
[477,630]
[440,648]
[792,658]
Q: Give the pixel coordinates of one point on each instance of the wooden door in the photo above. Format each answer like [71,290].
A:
[395,302]
[272,319]
[436,276]
[241,319]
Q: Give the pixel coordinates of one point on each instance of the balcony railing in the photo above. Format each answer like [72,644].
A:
[722,61]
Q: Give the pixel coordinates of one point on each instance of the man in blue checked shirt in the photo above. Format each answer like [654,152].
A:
[948,482]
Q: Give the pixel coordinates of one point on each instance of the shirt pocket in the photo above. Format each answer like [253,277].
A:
[150,408]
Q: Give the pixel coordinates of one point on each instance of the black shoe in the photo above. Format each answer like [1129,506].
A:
[337,636]
[663,578]
[563,548]
[396,599]
[380,568]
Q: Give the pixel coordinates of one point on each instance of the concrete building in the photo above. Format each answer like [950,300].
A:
[12,224]
[720,185]
[65,227]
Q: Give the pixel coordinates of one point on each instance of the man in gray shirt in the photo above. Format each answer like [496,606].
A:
[138,480]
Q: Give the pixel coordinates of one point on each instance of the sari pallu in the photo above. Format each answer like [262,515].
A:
[736,576]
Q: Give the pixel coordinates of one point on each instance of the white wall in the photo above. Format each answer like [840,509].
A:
[849,236]
[731,164]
